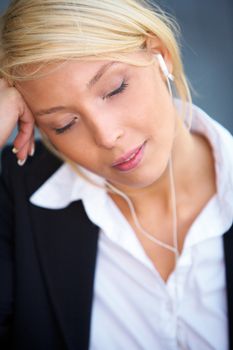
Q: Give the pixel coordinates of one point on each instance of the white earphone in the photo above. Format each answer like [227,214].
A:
[163,66]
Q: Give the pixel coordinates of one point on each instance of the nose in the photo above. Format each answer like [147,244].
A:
[106,135]
[105,131]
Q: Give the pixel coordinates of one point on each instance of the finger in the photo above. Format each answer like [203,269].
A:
[23,143]
[22,154]
[25,131]
[32,147]
[27,150]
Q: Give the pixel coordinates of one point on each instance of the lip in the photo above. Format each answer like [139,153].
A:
[130,159]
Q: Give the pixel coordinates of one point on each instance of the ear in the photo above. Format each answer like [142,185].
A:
[154,45]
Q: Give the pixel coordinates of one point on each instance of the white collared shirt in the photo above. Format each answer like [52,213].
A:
[133,308]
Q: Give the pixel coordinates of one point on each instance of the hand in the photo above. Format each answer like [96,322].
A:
[13,111]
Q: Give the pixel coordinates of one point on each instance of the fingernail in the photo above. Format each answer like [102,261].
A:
[15,150]
[32,150]
[21,162]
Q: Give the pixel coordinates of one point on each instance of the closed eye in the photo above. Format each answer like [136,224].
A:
[118,91]
[59,131]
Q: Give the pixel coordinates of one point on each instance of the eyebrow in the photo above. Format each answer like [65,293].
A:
[49,111]
[100,73]
[102,70]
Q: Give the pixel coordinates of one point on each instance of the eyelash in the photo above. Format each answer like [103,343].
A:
[59,131]
[119,90]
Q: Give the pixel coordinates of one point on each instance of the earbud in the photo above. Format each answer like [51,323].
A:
[163,66]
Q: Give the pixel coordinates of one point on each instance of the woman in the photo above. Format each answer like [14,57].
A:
[113,238]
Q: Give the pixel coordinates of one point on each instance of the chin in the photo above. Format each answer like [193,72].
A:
[141,178]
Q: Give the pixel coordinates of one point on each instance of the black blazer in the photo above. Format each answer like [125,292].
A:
[47,263]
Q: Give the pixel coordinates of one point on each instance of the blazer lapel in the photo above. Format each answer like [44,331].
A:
[67,245]
[66,242]
[228,250]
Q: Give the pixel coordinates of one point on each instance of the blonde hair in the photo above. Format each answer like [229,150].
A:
[46,31]
[42,31]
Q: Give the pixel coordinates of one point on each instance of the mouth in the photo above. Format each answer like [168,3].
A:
[131,159]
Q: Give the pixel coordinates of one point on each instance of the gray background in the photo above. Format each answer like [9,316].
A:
[207,50]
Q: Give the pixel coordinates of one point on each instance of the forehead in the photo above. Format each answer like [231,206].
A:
[64,75]
[83,67]
[36,73]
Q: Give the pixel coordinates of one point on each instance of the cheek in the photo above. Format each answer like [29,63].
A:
[150,106]
[79,149]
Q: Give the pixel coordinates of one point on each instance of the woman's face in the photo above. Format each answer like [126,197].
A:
[117,121]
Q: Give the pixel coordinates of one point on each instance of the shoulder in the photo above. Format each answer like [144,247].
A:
[36,170]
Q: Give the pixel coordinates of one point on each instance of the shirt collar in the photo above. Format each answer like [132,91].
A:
[221,142]
[65,186]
